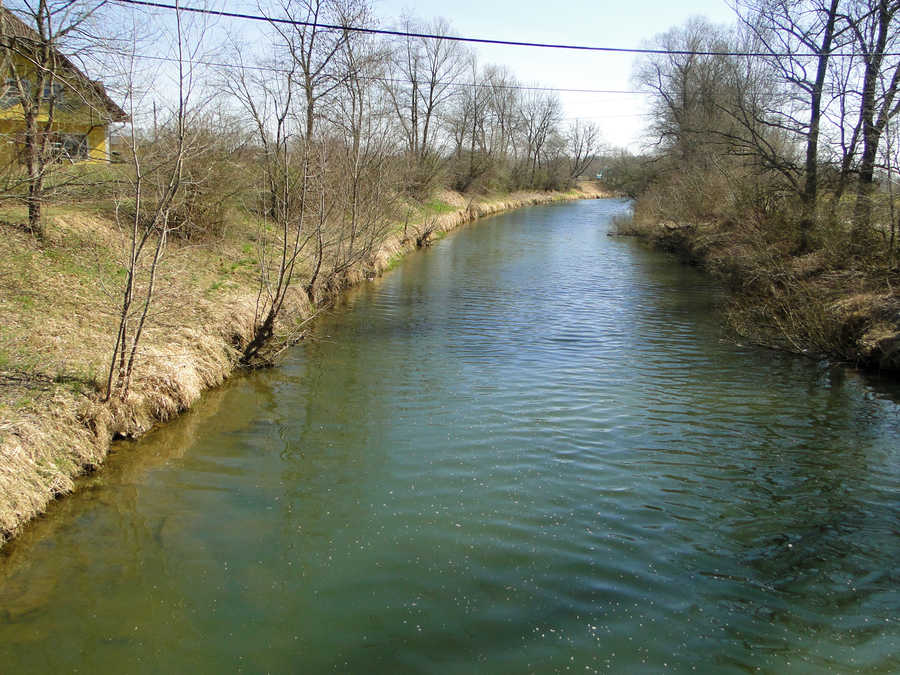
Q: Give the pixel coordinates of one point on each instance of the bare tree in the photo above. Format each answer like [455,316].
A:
[842,112]
[690,88]
[800,38]
[876,31]
[152,192]
[467,120]
[540,115]
[320,71]
[424,79]
[502,114]
[315,49]
[890,154]
[362,129]
[268,97]
[583,142]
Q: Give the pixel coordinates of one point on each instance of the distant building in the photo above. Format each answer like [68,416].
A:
[82,111]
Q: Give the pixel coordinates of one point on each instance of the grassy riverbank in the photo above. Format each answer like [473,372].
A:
[824,303]
[58,309]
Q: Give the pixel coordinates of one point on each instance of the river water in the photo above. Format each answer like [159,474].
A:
[527,449]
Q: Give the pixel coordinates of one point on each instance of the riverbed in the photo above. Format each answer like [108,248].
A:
[529,448]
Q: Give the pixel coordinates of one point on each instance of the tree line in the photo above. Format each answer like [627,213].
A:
[788,119]
[316,130]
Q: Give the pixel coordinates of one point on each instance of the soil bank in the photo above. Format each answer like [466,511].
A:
[820,304]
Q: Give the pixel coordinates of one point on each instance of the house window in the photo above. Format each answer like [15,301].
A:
[9,95]
[72,147]
[53,91]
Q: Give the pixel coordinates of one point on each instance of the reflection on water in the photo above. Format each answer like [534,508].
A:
[526,450]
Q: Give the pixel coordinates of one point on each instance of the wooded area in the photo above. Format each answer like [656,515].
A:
[775,157]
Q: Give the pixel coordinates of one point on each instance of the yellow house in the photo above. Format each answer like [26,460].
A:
[74,111]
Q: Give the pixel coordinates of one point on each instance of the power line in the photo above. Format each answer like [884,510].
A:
[395,80]
[457,38]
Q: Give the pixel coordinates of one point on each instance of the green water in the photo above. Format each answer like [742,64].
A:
[528,449]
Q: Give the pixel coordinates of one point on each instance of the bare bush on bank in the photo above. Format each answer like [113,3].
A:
[284,193]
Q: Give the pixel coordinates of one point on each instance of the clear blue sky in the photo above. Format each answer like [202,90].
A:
[608,24]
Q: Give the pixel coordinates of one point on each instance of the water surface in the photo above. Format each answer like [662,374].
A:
[528,449]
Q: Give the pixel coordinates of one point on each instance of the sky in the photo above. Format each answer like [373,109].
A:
[621,118]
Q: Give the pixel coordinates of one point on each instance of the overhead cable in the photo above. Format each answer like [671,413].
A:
[475,40]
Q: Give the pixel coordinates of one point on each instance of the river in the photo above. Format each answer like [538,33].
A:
[530,448]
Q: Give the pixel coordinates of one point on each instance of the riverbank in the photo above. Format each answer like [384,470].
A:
[58,310]
[823,304]
[528,427]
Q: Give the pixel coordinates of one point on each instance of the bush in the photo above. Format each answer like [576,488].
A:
[218,174]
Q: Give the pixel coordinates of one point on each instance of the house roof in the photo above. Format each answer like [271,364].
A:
[13,27]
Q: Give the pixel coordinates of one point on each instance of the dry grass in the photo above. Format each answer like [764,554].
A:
[824,303]
[58,313]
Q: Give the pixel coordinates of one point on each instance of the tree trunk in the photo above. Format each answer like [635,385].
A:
[872,128]
[810,190]
[35,175]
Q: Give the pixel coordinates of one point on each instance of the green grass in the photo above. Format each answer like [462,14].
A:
[393,261]
[435,207]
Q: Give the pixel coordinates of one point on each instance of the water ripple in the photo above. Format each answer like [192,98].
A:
[526,450]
